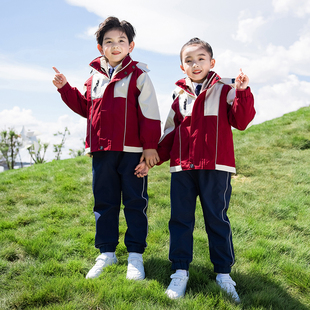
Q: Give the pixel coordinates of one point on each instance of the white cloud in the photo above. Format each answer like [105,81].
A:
[299,56]
[275,100]
[299,8]
[89,33]
[271,65]
[277,62]
[229,62]
[247,28]
[15,117]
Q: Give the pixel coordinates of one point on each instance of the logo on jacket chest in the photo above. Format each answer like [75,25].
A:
[186,104]
[100,84]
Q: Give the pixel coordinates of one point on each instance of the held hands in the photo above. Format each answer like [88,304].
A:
[148,159]
[242,81]
[142,170]
[59,79]
[150,156]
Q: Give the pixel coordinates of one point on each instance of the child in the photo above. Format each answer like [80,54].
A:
[123,129]
[198,141]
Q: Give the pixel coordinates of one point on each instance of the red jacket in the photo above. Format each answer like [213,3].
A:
[122,112]
[197,132]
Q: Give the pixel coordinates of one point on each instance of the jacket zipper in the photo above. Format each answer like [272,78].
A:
[125,128]
[180,142]
[92,111]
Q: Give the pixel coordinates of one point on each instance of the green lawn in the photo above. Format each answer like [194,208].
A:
[47,233]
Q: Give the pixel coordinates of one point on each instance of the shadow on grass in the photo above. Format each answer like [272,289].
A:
[256,291]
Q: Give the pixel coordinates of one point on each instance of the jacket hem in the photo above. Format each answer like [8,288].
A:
[225,168]
[132,149]
[176,169]
[217,167]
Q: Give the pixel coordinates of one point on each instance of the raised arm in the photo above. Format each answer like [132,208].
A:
[241,111]
[70,95]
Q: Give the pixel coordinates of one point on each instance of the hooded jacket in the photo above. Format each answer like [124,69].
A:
[122,111]
[197,133]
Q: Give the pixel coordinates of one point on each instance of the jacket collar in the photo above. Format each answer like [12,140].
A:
[100,64]
[187,85]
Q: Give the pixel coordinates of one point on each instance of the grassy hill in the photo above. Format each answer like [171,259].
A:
[47,233]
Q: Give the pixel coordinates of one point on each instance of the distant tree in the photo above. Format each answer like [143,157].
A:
[10,143]
[80,152]
[2,158]
[58,147]
[36,155]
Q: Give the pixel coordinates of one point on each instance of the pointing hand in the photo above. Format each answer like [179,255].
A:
[59,79]
[242,81]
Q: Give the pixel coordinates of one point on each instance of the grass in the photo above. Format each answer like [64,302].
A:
[47,233]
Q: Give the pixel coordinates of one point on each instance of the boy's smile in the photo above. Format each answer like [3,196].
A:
[115,46]
[196,62]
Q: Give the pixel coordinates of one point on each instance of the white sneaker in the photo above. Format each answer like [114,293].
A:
[135,268]
[102,261]
[177,286]
[228,285]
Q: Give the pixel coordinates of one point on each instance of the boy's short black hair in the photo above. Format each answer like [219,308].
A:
[114,23]
[197,41]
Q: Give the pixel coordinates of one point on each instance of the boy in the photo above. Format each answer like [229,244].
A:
[123,129]
[198,141]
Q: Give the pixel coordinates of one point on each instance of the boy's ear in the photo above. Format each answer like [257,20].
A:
[131,46]
[212,63]
[100,49]
[182,68]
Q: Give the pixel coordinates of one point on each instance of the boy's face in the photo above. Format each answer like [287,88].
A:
[196,62]
[115,46]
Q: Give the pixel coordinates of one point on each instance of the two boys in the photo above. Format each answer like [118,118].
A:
[123,121]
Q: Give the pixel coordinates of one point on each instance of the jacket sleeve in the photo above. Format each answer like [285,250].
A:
[74,99]
[167,139]
[241,112]
[148,113]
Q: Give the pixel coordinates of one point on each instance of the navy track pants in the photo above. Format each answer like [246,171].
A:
[113,177]
[214,190]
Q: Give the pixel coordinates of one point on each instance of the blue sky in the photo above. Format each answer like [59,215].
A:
[269,40]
